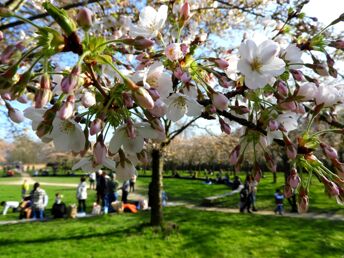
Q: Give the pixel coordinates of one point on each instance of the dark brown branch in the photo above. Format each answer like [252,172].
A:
[43,15]
[241,8]
[177,132]
[96,82]
[228,7]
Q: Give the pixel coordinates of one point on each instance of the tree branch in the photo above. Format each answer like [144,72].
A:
[177,132]
[43,15]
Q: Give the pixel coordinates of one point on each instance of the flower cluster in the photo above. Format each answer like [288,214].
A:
[150,73]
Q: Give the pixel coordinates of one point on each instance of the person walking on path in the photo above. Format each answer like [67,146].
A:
[279,202]
[81,194]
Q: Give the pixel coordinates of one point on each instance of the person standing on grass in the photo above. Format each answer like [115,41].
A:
[81,194]
[92,178]
[125,191]
[132,183]
[279,202]
[24,188]
[39,201]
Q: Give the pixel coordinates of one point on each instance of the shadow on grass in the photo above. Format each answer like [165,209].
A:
[134,230]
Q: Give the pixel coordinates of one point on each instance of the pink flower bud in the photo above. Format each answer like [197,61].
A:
[185,78]
[141,43]
[127,100]
[273,125]
[329,152]
[289,105]
[220,101]
[294,179]
[23,99]
[6,96]
[178,73]
[16,115]
[221,63]
[270,163]
[85,18]
[130,129]
[142,98]
[282,89]
[154,93]
[88,99]
[257,172]
[185,12]
[224,126]
[339,167]
[234,155]
[42,97]
[291,151]
[68,84]
[224,82]
[157,125]
[297,75]
[44,94]
[1,35]
[339,44]
[332,189]
[96,126]
[99,152]
[303,204]
[67,109]
[185,48]
[159,109]
[288,191]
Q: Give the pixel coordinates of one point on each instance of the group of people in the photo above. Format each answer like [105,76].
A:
[34,203]
[247,191]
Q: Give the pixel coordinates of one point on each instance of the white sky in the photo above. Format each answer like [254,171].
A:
[326,11]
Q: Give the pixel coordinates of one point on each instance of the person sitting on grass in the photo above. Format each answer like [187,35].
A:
[59,209]
[279,201]
[9,205]
[25,209]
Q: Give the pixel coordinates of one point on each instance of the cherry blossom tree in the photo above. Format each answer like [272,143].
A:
[155,69]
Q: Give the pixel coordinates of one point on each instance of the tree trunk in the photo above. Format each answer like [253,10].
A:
[155,188]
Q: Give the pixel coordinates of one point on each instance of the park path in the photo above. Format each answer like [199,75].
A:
[31,181]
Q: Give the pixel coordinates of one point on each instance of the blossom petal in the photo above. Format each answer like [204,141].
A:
[175,112]
[117,140]
[133,145]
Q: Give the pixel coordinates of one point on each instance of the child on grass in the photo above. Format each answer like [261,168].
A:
[279,201]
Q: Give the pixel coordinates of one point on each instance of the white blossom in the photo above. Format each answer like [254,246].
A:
[150,22]
[179,104]
[260,64]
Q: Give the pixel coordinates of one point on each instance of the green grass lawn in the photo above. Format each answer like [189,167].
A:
[199,234]
[186,190]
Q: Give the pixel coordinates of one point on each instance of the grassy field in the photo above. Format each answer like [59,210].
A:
[198,234]
[184,190]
